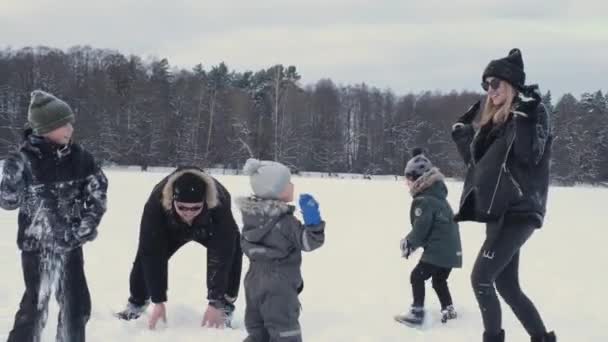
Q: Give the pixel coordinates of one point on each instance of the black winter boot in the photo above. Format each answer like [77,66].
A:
[546,337]
[494,338]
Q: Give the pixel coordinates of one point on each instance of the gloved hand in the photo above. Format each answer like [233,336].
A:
[310,210]
[528,100]
[406,248]
[83,232]
[66,242]
[75,237]
[13,166]
[468,117]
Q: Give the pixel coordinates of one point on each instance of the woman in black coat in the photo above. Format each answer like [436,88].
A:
[506,185]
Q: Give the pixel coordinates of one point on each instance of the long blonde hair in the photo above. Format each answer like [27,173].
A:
[498,114]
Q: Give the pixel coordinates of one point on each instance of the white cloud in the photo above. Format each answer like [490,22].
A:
[405,45]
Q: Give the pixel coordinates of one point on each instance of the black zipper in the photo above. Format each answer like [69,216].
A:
[471,149]
[504,167]
[519,190]
[467,194]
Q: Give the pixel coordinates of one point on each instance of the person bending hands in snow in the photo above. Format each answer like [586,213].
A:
[187,205]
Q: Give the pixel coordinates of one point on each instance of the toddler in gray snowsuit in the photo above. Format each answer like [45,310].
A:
[273,240]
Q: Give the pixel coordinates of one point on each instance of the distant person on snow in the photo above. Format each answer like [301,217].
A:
[61,195]
[507,156]
[273,240]
[434,229]
[187,205]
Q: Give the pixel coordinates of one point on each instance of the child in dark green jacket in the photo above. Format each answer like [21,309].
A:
[434,230]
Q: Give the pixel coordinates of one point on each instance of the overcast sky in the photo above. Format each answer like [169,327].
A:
[399,44]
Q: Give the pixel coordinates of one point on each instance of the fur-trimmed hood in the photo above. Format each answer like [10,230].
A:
[264,207]
[211,197]
[425,181]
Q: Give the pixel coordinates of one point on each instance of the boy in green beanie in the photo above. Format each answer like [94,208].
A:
[61,195]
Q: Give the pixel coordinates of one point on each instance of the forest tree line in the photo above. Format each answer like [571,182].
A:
[131,111]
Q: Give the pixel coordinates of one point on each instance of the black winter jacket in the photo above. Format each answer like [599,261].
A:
[215,228]
[59,190]
[507,168]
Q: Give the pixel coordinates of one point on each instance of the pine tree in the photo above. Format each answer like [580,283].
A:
[567,141]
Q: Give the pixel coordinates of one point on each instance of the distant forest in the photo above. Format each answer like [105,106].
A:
[132,111]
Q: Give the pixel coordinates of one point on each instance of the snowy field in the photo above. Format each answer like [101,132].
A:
[356,282]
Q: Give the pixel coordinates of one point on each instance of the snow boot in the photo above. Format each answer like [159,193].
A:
[448,313]
[414,317]
[132,311]
[546,337]
[494,338]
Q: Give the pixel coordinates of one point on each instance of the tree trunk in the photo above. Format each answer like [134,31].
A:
[210,128]
[276,114]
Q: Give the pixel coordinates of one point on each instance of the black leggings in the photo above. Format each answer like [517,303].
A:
[421,273]
[498,264]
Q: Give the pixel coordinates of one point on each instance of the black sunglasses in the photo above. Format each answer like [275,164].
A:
[183,208]
[494,84]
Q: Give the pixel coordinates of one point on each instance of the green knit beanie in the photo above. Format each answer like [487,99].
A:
[47,113]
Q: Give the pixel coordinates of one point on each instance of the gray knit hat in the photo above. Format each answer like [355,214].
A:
[268,179]
[47,113]
[418,165]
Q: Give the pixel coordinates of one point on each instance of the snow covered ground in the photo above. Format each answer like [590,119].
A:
[356,282]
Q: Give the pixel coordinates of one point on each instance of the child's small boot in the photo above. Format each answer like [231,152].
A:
[448,313]
[414,317]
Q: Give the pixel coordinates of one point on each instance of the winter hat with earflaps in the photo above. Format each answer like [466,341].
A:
[47,113]
[510,69]
[418,165]
[268,179]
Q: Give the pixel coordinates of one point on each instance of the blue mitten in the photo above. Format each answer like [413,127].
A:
[310,210]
